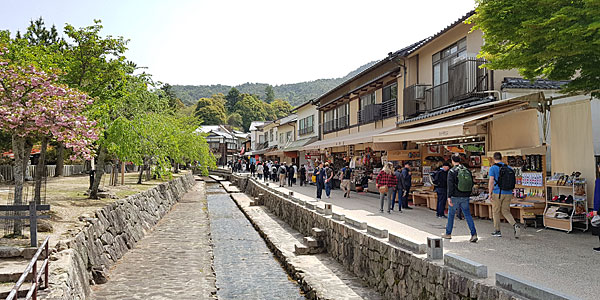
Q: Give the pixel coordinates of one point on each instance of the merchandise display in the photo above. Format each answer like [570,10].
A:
[566,203]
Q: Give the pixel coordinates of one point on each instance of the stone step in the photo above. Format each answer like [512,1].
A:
[300,249]
[11,269]
[318,232]
[10,252]
[6,287]
[311,242]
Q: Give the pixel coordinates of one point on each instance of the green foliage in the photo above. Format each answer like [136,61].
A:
[278,109]
[555,39]
[232,98]
[235,120]
[251,109]
[295,93]
[269,94]
[211,111]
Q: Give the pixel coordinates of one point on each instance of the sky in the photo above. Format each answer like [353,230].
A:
[233,42]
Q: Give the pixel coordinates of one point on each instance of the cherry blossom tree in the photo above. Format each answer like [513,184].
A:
[33,105]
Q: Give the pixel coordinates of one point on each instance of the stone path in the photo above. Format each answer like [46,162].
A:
[174,261]
[543,256]
[323,274]
[245,267]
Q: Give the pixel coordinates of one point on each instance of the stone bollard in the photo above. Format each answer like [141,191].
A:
[435,248]
[266,183]
[327,209]
[291,194]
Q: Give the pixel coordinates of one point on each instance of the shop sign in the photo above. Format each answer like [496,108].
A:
[307,156]
[394,155]
[313,152]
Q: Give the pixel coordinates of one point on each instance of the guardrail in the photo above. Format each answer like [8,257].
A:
[35,279]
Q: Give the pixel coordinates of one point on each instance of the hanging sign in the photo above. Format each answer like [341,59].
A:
[394,155]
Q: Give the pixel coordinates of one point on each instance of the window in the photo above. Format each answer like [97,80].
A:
[390,92]
[367,99]
[306,125]
[281,138]
[441,62]
[288,136]
[271,135]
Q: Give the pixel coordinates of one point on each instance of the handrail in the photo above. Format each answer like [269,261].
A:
[35,278]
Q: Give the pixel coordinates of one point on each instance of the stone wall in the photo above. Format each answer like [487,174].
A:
[81,261]
[394,272]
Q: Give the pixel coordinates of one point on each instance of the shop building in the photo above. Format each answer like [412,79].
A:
[222,142]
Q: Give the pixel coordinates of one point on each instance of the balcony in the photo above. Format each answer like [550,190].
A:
[336,124]
[378,111]
[415,99]
[306,130]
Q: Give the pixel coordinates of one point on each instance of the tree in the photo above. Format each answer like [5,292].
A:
[269,94]
[235,120]
[557,39]
[251,109]
[37,34]
[232,98]
[210,111]
[33,105]
[166,90]
[280,108]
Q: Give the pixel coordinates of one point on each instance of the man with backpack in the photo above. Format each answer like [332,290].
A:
[405,184]
[282,174]
[328,180]
[460,186]
[320,179]
[501,185]
[440,181]
[346,175]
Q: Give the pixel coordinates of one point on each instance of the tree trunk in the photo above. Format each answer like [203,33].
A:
[99,172]
[141,172]
[40,171]
[18,145]
[26,155]
[60,160]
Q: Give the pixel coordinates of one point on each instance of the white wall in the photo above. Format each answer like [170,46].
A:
[304,112]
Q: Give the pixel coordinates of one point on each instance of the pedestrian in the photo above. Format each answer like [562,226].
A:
[596,210]
[501,185]
[252,169]
[282,174]
[295,173]
[267,172]
[346,176]
[386,180]
[328,180]
[319,173]
[405,184]
[397,190]
[274,171]
[291,173]
[260,170]
[302,175]
[440,182]
[460,186]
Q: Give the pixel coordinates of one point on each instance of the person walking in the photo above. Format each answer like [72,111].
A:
[328,180]
[274,172]
[282,174]
[501,185]
[295,173]
[291,173]
[346,176]
[440,181]
[252,169]
[460,186]
[405,183]
[319,173]
[596,211]
[260,170]
[396,193]
[302,175]
[386,180]
[267,172]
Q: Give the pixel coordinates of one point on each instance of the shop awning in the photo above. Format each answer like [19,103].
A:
[541,150]
[299,144]
[275,152]
[261,151]
[454,128]
[351,139]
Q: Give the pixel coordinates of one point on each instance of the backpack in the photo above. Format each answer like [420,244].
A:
[435,177]
[347,173]
[282,170]
[464,179]
[507,179]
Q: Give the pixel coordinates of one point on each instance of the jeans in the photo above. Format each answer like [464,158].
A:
[319,189]
[290,181]
[267,175]
[402,199]
[328,188]
[382,197]
[396,195]
[441,201]
[463,204]
[302,179]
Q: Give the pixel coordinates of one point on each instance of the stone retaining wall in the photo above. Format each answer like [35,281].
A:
[114,229]
[394,272]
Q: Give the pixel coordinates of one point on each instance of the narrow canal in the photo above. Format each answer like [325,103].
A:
[244,266]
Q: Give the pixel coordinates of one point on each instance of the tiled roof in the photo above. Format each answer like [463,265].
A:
[538,84]
[445,110]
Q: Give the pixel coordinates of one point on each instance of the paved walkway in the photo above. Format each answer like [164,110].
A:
[174,261]
[245,267]
[552,258]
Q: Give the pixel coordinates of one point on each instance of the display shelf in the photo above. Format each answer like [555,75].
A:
[559,186]
[520,186]
[561,204]
[567,190]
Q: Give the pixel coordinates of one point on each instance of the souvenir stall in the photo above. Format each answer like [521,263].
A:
[366,164]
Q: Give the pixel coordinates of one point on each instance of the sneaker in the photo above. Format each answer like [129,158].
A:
[389,212]
[439,217]
[517,231]
[497,233]
[328,197]
[473,239]
[597,249]
[444,217]
[381,210]
[446,236]
[408,207]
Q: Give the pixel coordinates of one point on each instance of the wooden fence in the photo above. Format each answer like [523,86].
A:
[68,170]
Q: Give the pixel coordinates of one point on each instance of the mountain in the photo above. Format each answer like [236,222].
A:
[295,93]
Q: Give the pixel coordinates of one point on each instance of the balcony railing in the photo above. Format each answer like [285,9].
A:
[378,111]
[467,79]
[306,130]
[415,99]
[336,124]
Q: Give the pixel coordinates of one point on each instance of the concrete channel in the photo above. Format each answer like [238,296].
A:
[244,266]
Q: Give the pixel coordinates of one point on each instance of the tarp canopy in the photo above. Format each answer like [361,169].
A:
[350,139]
[299,144]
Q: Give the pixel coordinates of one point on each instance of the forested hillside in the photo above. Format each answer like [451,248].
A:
[295,93]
